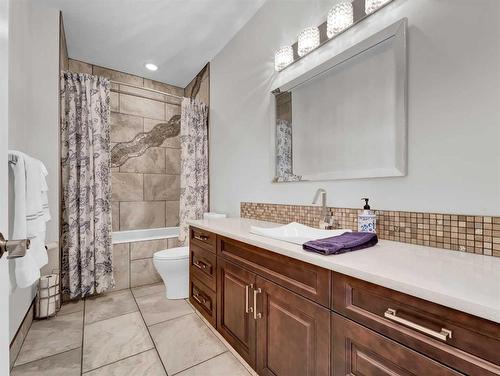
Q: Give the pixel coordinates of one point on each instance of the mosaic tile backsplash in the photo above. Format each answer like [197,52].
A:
[465,233]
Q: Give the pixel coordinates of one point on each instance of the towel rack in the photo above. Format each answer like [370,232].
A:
[12,158]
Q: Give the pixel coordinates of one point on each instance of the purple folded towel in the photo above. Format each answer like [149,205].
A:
[347,242]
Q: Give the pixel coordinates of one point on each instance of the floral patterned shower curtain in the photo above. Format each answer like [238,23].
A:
[194,163]
[86,262]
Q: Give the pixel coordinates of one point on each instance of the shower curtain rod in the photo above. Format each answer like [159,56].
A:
[142,88]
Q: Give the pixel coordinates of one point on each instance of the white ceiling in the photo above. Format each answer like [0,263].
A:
[180,36]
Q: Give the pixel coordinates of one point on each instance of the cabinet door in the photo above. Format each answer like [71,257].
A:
[234,316]
[360,351]
[293,333]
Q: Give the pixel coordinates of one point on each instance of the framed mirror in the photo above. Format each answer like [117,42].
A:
[346,118]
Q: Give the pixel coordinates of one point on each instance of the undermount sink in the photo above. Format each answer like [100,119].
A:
[295,233]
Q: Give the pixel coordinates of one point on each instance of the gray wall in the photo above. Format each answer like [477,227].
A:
[454,116]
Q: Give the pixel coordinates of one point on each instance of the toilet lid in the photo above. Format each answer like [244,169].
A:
[172,254]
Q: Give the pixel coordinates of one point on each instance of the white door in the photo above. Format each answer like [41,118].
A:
[4,271]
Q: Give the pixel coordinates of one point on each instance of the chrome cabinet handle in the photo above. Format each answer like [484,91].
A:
[255,314]
[200,264]
[391,314]
[203,238]
[197,298]
[247,303]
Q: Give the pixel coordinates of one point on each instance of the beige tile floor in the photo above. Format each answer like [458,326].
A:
[129,332]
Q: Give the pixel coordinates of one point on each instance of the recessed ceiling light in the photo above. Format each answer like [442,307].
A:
[151,66]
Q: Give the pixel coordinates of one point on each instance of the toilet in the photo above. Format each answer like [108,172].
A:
[173,267]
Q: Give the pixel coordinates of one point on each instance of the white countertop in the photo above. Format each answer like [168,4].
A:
[463,281]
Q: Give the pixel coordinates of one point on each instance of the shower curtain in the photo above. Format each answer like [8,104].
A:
[86,258]
[194,164]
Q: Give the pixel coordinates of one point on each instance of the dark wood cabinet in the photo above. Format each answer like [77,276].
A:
[235,319]
[202,265]
[310,281]
[203,299]
[361,351]
[286,317]
[293,333]
[470,344]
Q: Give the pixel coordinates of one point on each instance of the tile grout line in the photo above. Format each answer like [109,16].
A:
[116,361]
[148,294]
[46,357]
[69,313]
[230,348]
[204,361]
[173,318]
[121,314]
[112,317]
[149,333]
[130,356]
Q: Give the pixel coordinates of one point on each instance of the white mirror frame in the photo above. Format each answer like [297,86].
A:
[398,32]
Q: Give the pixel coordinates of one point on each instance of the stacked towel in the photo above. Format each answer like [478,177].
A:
[347,242]
[31,214]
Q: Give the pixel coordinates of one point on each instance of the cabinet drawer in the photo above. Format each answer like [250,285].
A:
[308,280]
[468,343]
[203,299]
[203,265]
[202,238]
[360,351]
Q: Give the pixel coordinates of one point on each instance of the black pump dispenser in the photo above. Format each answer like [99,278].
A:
[366,207]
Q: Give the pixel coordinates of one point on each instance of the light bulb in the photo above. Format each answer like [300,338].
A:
[151,66]
[283,57]
[308,40]
[340,17]
[372,5]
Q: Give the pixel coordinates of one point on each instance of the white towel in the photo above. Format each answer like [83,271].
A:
[31,214]
[37,210]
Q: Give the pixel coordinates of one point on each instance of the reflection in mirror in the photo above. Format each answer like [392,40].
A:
[346,119]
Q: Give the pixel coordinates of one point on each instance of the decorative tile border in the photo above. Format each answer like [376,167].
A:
[465,233]
[123,151]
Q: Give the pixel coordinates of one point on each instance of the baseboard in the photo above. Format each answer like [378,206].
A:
[22,332]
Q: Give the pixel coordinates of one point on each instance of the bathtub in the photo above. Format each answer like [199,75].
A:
[133,255]
[132,236]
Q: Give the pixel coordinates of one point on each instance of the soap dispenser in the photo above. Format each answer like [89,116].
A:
[367,220]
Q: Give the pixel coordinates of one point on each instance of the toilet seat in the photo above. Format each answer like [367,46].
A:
[178,253]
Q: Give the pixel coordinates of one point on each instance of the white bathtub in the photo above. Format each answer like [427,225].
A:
[142,235]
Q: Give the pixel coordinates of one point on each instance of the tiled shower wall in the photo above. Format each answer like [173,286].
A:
[465,233]
[133,262]
[145,189]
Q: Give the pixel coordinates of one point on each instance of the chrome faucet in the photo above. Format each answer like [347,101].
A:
[326,220]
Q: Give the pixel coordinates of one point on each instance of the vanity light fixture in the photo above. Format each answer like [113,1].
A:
[283,57]
[372,5]
[308,40]
[151,66]
[340,17]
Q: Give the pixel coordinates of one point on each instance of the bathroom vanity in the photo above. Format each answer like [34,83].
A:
[394,309]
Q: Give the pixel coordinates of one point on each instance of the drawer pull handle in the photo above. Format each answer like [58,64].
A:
[255,314]
[203,238]
[247,303]
[200,264]
[391,314]
[200,299]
